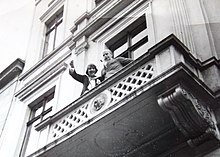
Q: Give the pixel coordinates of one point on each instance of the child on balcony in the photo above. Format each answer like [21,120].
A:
[89,80]
[113,65]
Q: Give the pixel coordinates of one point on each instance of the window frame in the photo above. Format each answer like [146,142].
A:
[52,25]
[44,102]
[126,35]
[33,106]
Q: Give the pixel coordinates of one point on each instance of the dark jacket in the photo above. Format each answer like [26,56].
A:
[84,79]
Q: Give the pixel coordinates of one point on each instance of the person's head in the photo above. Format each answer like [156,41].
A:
[107,55]
[91,70]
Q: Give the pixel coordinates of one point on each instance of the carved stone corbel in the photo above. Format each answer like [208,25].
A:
[195,120]
[81,45]
[72,45]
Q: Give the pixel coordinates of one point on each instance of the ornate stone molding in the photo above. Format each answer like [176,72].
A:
[40,80]
[195,120]
[101,101]
[53,8]
[72,45]
[99,16]
[81,45]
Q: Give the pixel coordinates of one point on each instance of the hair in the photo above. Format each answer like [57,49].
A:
[108,50]
[93,66]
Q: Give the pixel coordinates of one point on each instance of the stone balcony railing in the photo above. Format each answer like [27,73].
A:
[139,76]
[103,101]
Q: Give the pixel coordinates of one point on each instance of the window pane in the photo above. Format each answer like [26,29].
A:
[50,42]
[140,51]
[129,37]
[49,105]
[139,36]
[59,34]
[39,110]
[49,101]
[54,31]
[51,25]
[121,49]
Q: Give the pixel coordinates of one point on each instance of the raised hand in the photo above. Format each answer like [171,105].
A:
[72,64]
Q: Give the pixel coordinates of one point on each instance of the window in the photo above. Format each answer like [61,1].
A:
[132,41]
[54,31]
[41,109]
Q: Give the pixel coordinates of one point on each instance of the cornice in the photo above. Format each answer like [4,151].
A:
[55,6]
[42,62]
[84,16]
[88,15]
[210,62]
[99,7]
[42,78]
[131,10]
[98,20]
[173,40]
[39,81]
[12,71]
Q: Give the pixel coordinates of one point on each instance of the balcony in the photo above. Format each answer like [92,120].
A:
[157,105]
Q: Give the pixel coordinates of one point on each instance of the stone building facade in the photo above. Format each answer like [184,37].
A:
[164,103]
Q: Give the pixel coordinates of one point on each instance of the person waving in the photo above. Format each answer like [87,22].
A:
[90,80]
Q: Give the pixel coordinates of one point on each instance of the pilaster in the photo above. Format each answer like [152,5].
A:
[181,22]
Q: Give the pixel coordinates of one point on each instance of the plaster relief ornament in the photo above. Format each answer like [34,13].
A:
[98,103]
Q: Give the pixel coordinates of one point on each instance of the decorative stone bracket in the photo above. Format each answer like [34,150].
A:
[195,120]
[81,45]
